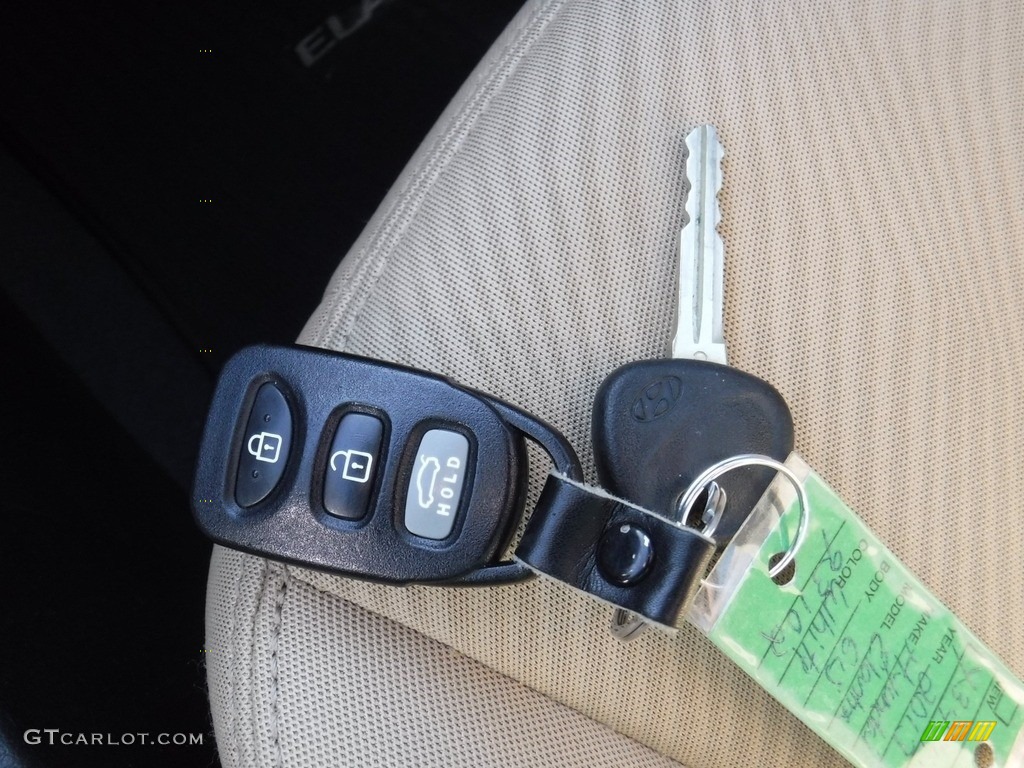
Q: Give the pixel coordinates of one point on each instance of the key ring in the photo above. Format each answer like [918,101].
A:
[628,626]
[750,460]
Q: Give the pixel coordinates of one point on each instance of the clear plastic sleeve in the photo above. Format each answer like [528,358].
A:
[853,644]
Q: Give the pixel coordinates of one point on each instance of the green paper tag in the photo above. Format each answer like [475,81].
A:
[854,645]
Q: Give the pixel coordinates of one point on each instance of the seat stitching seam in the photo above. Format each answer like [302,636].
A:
[280,589]
[253,687]
[413,193]
[233,697]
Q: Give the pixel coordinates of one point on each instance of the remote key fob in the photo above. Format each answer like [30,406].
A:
[367,469]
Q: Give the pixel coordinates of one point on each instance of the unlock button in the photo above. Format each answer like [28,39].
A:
[352,465]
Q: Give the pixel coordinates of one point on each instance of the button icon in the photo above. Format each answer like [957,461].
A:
[268,447]
[356,467]
[425,479]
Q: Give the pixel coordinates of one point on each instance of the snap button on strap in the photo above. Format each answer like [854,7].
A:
[612,550]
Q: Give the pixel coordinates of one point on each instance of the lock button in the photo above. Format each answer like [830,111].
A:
[265,446]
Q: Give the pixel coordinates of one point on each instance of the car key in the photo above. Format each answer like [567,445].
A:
[657,424]
[377,471]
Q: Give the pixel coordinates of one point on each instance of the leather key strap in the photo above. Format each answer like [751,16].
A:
[614,551]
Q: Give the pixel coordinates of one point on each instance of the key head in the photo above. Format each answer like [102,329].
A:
[657,424]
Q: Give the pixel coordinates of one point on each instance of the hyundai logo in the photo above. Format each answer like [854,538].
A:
[657,398]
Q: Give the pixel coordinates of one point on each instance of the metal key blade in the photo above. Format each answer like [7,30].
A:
[699,332]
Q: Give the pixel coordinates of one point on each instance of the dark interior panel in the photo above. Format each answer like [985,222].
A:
[177,181]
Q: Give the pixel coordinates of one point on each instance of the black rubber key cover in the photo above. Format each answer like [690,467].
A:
[657,424]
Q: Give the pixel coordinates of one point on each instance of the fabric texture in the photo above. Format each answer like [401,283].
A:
[874,274]
[301,679]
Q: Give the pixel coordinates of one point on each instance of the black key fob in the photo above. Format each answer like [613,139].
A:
[378,471]
[657,424]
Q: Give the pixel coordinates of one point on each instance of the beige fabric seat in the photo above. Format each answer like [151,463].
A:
[874,178]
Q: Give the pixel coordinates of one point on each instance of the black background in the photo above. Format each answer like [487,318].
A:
[123,293]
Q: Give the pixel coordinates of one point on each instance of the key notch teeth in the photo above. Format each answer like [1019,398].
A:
[701,253]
